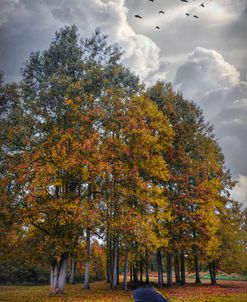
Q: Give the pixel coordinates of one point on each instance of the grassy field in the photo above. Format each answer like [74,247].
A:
[224,292]
[74,293]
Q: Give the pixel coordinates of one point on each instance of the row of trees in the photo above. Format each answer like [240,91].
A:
[88,152]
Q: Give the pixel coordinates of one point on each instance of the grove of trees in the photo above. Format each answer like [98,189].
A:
[93,162]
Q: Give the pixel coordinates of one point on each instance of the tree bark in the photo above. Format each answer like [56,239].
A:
[53,278]
[108,259]
[212,273]
[118,258]
[62,274]
[147,266]
[87,266]
[125,279]
[141,270]
[72,270]
[135,272]
[114,277]
[160,270]
[169,269]
[182,263]
[198,280]
[131,273]
[176,268]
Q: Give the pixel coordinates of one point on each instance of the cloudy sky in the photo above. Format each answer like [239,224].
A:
[204,58]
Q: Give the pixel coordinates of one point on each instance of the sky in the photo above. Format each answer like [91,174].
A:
[203,58]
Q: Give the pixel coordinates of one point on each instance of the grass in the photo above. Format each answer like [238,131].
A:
[99,292]
[224,292]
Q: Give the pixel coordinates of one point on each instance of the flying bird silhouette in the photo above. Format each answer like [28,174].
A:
[184,0]
[195,16]
[138,16]
[157,27]
[161,12]
[187,14]
[202,5]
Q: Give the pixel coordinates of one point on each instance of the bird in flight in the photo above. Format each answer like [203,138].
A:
[161,12]
[195,16]
[184,0]
[157,27]
[202,5]
[151,0]
[187,14]
[138,16]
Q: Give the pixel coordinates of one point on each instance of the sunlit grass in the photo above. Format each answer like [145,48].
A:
[99,292]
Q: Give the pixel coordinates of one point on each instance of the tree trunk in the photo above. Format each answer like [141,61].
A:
[160,270]
[118,258]
[169,269]
[87,266]
[198,281]
[176,268]
[147,266]
[125,279]
[53,278]
[141,270]
[131,273]
[212,273]
[72,270]
[182,263]
[135,272]
[115,258]
[62,275]
[108,260]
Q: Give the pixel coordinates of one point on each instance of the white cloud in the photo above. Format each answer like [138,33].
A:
[207,78]
[240,193]
[210,71]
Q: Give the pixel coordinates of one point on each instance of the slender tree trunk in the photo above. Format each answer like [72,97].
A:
[118,258]
[72,270]
[111,261]
[135,272]
[87,266]
[131,273]
[169,269]
[54,278]
[141,270]
[160,270]
[108,259]
[198,280]
[125,279]
[182,263]
[62,274]
[114,277]
[176,269]
[212,272]
[147,266]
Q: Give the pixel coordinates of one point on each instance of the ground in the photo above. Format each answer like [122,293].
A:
[226,291]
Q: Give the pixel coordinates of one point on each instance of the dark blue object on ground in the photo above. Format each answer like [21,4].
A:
[147,294]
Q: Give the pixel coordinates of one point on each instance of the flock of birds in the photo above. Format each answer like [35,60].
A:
[162,12]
